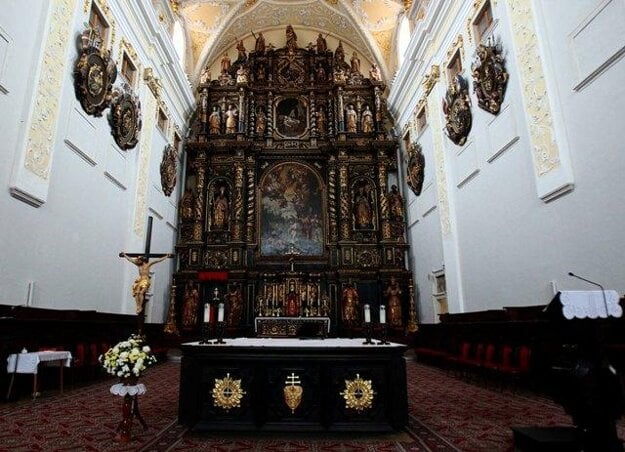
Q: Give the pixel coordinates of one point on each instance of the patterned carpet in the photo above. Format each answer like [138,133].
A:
[446,414]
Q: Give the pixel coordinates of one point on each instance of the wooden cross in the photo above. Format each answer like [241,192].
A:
[142,283]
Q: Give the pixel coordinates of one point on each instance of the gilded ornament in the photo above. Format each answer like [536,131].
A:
[227,393]
[415,168]
[125,118]
[293,392]
[168,169]
[358,394]
[489,77]
[431,78]
[94,74]
[457,109]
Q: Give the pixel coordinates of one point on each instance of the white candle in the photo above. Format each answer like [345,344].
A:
[207,312]
[220,313]
[382,314]
[367,314]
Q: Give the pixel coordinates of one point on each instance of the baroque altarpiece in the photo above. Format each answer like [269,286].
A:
[290,207]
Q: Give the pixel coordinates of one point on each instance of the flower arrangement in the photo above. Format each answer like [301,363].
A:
[128,358]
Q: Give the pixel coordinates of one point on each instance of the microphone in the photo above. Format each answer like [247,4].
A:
[605,301]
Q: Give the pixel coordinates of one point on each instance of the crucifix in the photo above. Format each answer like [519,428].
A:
[292,253]
[142,283]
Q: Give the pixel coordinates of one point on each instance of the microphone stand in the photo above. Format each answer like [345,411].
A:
[605,301]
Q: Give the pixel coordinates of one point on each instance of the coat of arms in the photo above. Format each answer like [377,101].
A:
[489,77]
[168,169]
[94,74]
[457,109]
[416,168]
[125,118]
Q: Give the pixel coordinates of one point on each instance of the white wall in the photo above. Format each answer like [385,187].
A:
[512,230]
[95,199]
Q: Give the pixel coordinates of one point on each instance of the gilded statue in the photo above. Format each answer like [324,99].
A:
[235,305]
[261,121]
[351,303]
[363,208]
[355,64]
[220,209]
[374,73]
[393,301]
[186,205]
[214,122]
[322,45]
[367,120]
[321,121]
[225,64]
[259,46]
[350,119]
[232,117]
[190,306]
[142,283]
[292,302]
[396,204]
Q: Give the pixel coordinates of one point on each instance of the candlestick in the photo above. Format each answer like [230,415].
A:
[367,314]
[220,313]
[382,314]
[207,312]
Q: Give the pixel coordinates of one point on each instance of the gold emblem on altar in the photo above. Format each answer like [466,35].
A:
[358,394]
[227,393]
[293,392]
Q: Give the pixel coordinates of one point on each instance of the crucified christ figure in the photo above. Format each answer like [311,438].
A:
[142,283]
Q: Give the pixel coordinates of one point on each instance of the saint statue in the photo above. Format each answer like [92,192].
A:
[350,302]
[393,302]
[363,209]
[242,51]
[225,64]
[350,119]
[355,64]
[374,73]
[261,121]
[220,209]
[396,204]
[339,56]
[292,302]
[322,46]
[259,46]
[190,305]
[214,122]
[321,121]
[232,117]
[367,120]
[235,305]
[186,205]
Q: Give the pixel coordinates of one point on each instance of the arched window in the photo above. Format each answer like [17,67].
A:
[403,38]
[179,41]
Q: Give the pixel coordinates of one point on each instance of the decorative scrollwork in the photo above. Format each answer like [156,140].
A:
[415,168]
[457,109]
[168,169]
[358,394]
[227,393]
[489,77]
[125,118]
[94,74]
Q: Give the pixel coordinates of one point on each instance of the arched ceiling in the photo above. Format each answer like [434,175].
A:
[214,26]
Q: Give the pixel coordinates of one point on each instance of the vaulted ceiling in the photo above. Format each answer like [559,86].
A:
[214,26]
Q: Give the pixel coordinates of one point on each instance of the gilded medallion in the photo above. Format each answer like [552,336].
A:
[125,118]
[168,169]
[227,393]
[358,394]
[293,392]
[94,74]
[415,168]
[489,77]
[457,109]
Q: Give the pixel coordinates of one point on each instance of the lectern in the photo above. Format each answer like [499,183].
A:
[580,378]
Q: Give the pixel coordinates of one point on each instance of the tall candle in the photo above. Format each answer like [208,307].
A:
[382,314]
[367,314]
[220,313]
[207,312]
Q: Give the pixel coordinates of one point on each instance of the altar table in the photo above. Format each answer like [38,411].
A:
[28,363]
[248,384]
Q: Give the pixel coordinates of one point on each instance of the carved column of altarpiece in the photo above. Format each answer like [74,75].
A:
[286,194]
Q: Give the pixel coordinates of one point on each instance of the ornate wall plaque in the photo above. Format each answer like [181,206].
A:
[415,168]
[489,77]
[125,118]
[94,74]
[227,393]
[457,109]
[168,169]
[293,392]
[358,394]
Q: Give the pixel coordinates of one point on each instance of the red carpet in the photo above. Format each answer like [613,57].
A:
[446,414]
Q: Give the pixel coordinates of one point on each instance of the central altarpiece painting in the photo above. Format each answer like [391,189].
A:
[290,209]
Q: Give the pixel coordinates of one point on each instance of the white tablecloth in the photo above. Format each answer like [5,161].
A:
[294,343]
[27,363]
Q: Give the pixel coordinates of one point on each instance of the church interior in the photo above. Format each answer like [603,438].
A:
[312,216]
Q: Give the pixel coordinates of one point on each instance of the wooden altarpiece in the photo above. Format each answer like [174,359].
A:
[288,194]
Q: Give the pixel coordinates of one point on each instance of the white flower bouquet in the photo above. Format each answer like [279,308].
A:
[128,358]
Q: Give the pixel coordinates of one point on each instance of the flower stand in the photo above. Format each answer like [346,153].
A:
[130,408]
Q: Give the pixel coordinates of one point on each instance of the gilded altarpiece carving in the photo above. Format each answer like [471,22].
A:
[286,191]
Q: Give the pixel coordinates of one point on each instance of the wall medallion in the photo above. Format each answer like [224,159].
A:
[227,393]
[415,168]
[94,74]
[457,109]
[489,77]
[293,392]
[125,118]
[168,169]
[358,394]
